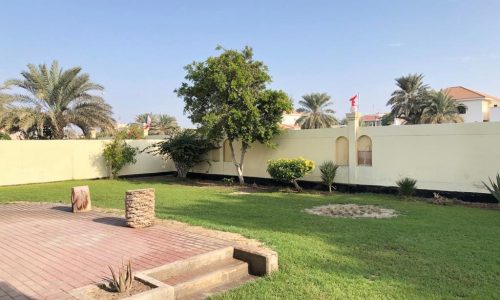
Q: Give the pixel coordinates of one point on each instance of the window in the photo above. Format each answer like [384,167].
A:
[462,109]
[227,152]
[364,146]
[342,151]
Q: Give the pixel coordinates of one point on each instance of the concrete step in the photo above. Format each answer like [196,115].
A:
[195,283]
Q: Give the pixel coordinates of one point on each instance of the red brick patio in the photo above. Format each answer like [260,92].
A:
[46,251]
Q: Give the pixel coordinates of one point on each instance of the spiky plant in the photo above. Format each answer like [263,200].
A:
[494,187]
[317,113]
[54,98]
[121,282]
[407,186]
[328,171]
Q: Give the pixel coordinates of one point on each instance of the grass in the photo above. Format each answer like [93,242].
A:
[430,252]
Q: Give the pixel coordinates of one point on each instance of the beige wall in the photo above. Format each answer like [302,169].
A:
[24,162]
[451,157]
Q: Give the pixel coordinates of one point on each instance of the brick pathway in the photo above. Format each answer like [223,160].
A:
[46,251]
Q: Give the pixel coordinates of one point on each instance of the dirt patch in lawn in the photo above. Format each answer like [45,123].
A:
[352,211]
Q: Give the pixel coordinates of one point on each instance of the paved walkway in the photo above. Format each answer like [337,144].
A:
[46,251]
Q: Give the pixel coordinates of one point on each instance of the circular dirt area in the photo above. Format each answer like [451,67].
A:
[352,211]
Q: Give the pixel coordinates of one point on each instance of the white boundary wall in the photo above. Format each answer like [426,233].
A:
[32,161]
[448,157]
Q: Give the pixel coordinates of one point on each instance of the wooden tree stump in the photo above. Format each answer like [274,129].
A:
[80,199]
[140,208]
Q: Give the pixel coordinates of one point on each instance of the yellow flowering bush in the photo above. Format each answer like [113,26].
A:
[289,170]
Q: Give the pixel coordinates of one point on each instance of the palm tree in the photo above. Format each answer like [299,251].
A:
[442,109]
[164,124]
[314,106]
[4,105]
[160,123]
[409,101]
[55,98]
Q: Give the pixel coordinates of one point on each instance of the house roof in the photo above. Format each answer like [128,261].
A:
[371,118]
[462,93]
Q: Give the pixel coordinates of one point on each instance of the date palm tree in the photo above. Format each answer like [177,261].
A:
[160,123]
[317,114]
[164,124]
[441,108]
[53,98]
[409,101]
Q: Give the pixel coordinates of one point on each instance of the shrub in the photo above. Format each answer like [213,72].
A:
[289,170]
[122,282]
[118,154]
[328,171]
[407,186]
[4,136]
[131,132]
[494,187]
[186,149]
[228,181]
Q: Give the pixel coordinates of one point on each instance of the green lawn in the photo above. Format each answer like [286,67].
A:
[430,252]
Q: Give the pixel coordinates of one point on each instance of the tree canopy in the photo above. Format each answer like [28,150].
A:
[227,96]
[316,111]
[53,98]
[409,100]
[441,108]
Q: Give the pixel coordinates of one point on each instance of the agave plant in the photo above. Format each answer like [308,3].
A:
[122,282]
[407,186]
[494,187]
[328,171]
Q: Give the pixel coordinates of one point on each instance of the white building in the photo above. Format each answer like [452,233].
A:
[289,120]
[481,107]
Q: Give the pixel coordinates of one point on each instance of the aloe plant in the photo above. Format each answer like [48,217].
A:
[122,282]
[494,187]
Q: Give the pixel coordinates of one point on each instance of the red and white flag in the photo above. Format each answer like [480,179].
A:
[353,100]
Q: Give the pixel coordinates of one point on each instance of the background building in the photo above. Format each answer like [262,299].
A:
[481,107]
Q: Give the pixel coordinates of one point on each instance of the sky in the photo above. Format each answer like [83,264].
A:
[137,49]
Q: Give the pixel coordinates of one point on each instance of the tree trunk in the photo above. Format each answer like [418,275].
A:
[181,170]
[297,186]
[330,188]
[239,165]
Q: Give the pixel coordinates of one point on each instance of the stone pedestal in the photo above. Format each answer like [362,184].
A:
[80,199]
[140,208]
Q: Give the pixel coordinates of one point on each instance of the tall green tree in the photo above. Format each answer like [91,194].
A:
[227,96]
[441,108]
[317,111]
[53,98]
[410,99]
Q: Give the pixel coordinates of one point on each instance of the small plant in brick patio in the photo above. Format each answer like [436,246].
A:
[407,186]
[123,282]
